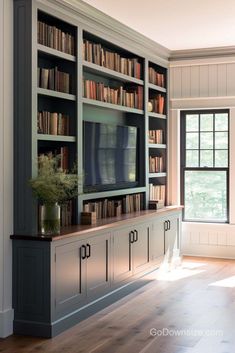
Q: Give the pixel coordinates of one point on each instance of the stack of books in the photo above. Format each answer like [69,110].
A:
[131,96]
[53,123]
[55,38]
[115,207]
[66,214]
[156,136]
[54,79]
[97,54]
[156,164]
[158,104]
[157,192]
[156,78]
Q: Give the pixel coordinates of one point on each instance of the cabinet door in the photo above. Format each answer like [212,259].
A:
[157,240]
[98,264]
[172,237]
[69,277]
[141,248]
[122,266]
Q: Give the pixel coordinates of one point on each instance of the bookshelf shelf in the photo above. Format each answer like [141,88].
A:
[93,68]
[112,106]
[55,94]
[157,146]
[156,115]
[59,138]
[59,54]
[157,175]
[113,193]
[156,88]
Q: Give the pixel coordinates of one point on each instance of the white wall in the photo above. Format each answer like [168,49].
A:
[6,164]
[202,84]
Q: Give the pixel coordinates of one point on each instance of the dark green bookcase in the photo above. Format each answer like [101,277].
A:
[29,98]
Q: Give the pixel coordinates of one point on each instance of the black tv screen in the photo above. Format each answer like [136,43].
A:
[110,156]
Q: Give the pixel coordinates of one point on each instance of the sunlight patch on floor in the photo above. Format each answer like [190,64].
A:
[227,282]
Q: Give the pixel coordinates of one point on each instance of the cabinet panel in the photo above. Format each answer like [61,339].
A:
[122,267]
[172,237]
[98,264]
[141,248]
[157,240]
[69,276]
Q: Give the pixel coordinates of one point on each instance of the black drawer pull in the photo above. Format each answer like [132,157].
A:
[89,250]
[131,237]
[166,226]
[169,225]
[136,237]
[83,252]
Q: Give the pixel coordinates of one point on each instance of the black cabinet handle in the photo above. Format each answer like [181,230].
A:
[166,226]
[89,250]
[169,225]
[131,237]
[83,252]
[136,237]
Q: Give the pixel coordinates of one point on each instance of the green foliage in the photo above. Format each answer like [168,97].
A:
[53,184]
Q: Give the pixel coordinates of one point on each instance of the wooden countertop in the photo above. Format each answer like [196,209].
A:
[102,224]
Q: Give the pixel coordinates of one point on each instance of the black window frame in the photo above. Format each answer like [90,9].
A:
[183,168]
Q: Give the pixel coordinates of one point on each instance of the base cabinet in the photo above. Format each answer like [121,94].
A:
[57,283]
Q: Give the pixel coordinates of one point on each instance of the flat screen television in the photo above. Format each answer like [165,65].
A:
[110,156]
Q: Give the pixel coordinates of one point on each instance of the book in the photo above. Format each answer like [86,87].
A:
[156,136]
[157,192]
[158,104]
[54,79]
[53,123]
[156,78]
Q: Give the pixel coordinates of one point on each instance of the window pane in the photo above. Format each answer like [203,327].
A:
[205,195]
[192,122]
[206,158]
[221,159]
[206,122]
[192,140]
[221,122]
[192,158]
[221,140]
[206,140]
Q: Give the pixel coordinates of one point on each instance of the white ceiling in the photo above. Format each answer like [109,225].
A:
[176,24]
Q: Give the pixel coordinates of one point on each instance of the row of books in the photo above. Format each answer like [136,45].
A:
[63,157]
[54,79]
[158,104]
[112,208]
[53,123]
[156,164]
[66,214]
[97,54]
[157,192]
[131,97]
[156,136]
[55,38]
[156,78]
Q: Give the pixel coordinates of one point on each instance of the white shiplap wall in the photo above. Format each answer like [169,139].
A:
[202,84]
[208,79]
[6,164]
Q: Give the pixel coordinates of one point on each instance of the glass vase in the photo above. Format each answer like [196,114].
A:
[50,219]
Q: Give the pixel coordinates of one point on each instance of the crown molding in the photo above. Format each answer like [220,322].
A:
[203,53]
[88,14]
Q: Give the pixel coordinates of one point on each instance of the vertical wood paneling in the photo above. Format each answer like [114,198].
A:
[194,82]
[231,79]
[204,82]
[213,238]
[213,80]
[222,238]
[177,82]
[203,237]
[222,80]
[186,81]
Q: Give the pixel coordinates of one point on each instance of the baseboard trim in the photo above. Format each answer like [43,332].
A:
[6,323]
[47,330]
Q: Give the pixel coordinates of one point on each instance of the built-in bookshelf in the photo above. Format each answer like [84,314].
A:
[157,132]
[77,76]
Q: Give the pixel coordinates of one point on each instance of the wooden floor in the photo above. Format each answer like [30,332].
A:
[197,297]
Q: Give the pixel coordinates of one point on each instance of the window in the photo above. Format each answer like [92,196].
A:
[205,165]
